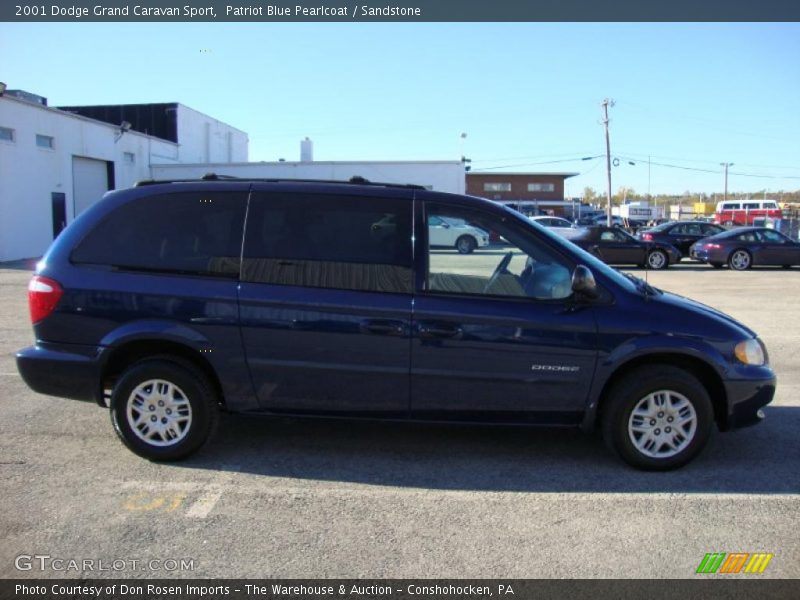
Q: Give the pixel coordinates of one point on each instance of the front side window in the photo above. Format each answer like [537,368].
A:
[189,233]
[712,229]
[773,237]
[335,242]
[521,267]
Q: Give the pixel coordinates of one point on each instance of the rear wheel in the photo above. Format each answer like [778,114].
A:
[466,244]
[740,260]
[162,410]
[657,259]
[657,418]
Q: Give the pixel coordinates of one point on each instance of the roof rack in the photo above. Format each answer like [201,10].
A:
[355,180]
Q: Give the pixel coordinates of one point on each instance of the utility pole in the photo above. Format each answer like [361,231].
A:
[605,105]
[726,165]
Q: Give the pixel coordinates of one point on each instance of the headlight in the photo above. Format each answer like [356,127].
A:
[750,352]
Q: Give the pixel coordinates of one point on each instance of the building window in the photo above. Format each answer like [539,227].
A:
[6,134]
[496,187]
[541,187]
[44,141]
[129,158]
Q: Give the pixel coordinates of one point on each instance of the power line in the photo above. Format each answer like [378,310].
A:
[547,162]
[715,171]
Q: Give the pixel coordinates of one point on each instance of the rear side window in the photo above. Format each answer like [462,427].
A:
[336,242]
[191,233]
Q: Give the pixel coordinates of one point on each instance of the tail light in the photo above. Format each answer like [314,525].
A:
[712,246]
[647,237]
[43,296]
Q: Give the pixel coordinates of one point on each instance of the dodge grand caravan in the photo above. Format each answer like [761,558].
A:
[171,301]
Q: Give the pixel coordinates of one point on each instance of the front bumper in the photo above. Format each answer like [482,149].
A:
[65,370]
[746,398]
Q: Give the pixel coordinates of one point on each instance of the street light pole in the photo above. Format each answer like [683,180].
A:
[606,104]
[726,165]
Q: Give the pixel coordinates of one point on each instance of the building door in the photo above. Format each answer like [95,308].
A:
[89,182]
[59,201]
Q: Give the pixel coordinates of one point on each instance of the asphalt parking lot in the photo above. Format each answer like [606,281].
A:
[290,498]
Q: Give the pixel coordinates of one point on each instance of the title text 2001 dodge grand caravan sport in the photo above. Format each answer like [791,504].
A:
[172,300]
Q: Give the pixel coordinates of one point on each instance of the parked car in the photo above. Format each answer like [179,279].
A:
[744,247]
[456,234]
[558,225]
[443,233]
[680,234]
[632,225]
[615,246]
[743,212]
[164,304]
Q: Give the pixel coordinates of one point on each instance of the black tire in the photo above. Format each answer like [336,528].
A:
[716,265]
[190,388]
[740,260]
[636,388]
[466,244]
[657,260]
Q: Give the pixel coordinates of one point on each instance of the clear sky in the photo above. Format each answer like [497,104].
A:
[527,95]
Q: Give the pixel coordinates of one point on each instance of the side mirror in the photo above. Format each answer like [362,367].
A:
[583,282]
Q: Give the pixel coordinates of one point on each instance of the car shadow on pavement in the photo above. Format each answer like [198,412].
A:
[762,459]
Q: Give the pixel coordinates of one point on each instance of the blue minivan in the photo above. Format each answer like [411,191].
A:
[171,301]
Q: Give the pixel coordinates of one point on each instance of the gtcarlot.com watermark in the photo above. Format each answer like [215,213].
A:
[45,562]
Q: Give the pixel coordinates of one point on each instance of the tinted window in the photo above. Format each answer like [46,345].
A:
[773,237]
[338,242]
[190,233]
[712,229]
[522,267]
[750,236]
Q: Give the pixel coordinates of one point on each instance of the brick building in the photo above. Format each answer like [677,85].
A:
[545,191]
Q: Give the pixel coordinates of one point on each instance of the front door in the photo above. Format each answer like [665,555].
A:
[497,334]
[777,249]
[325,302]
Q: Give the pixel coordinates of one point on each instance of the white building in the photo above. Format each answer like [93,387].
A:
[54,163]
[441,176]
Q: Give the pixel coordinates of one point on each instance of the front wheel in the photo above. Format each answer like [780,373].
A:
[657,418]
[657,259]
[466,244]
[162,410]
[740,260]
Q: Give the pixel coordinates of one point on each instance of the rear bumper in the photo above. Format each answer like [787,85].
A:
[65,370]
[745,400]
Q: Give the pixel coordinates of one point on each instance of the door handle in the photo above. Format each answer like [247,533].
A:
[439,330]
[384,327]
